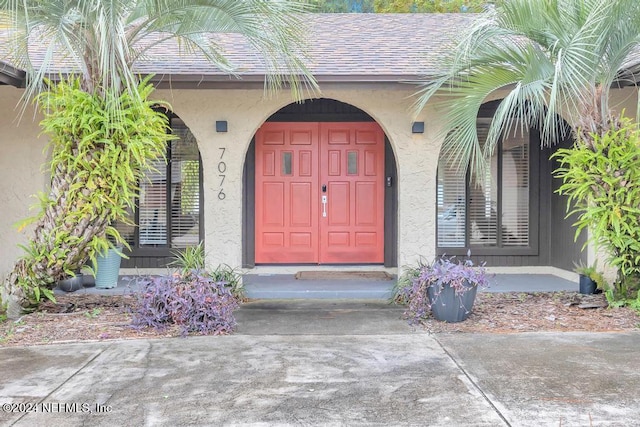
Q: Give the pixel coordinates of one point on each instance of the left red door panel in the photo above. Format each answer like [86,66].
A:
[287,193]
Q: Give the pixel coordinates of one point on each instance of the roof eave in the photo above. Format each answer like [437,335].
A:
[187,81]
[9,75]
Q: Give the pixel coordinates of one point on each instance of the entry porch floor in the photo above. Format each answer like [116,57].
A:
[286,286]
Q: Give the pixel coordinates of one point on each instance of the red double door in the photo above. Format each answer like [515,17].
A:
[319,193]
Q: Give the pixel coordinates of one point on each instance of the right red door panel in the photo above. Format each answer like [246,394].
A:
[352,172]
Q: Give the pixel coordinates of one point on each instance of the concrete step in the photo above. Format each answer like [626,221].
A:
[286,286]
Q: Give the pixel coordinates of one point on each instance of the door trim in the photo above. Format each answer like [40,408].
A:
[390,208]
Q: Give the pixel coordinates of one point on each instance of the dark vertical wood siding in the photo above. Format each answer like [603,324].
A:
[563,250]
[138,261]
[555,234]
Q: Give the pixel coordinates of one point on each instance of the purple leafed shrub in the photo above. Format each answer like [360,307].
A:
[195,302]
[459,275]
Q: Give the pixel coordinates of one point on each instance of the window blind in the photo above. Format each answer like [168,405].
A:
[488,210]
[483,198]
[153,206]
[515,190]
[185,188]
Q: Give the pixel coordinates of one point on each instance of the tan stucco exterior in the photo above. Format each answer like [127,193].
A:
[21,159]
[245,111]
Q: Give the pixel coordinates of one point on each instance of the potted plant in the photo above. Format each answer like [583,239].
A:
[447,288]
[590,279]
[71,283]
[107,267]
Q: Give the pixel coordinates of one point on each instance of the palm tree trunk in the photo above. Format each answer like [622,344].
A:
[50,251]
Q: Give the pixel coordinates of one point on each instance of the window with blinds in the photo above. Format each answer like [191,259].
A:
[152,206]
[168,207]
[452,193]
[184,199]
[490,210]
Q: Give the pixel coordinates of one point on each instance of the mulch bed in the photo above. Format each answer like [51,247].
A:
[99,317]
[75,318]
[543,311]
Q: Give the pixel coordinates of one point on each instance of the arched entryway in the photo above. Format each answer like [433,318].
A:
[320,188]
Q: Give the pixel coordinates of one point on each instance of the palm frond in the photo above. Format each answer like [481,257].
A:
[551,57]
[101,40]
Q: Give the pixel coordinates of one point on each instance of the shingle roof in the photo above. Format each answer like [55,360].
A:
[342,47]
[350,47]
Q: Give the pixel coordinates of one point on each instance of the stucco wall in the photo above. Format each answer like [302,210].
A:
[246,110]
[21,158]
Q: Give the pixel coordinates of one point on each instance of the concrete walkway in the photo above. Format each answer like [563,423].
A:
[327,363]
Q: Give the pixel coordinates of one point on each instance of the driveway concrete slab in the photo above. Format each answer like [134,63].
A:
[31,374]
[554,379]
[255,380]
[329,363]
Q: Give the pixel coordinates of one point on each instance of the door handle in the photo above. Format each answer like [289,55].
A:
[324,206]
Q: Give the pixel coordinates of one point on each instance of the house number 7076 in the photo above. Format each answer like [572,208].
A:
[222,169]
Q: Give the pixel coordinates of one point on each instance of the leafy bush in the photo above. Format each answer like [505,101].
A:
[231,278]
[193,260]
[189,259]
[409,274]
[100,146]
[195,302]
[601,178]
[460,275]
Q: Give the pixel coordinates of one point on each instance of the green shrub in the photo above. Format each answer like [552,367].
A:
[193,259]
[601,179]
[100,146]
[189,259]
[232,279]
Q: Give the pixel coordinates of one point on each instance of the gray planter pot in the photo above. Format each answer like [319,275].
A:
[71,284]
[107,269]
[587,286]
[449,307]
